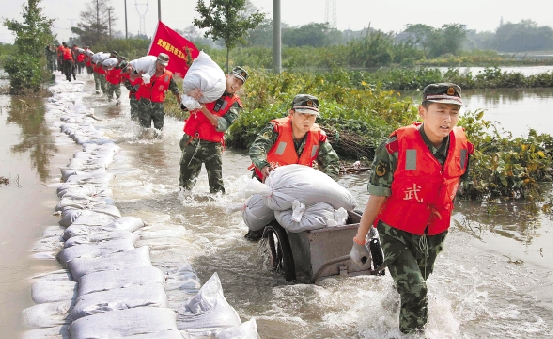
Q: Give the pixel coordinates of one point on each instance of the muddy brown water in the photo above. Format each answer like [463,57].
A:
[492,280]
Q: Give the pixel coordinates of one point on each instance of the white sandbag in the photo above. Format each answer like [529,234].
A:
[45,291]
[66,173]
[124,324]
[206,75]
[316,216]
[69,216]
[108,280]
[246,330]
[169,334]
[302,183]
[209,309]
[129,224]
[119,299]
[99,57]
[93,218]
[91,178]
[48,314]
[144,65]
[110,63]
[116,261]
[73,191]
[256,214]
[100,249]
[89,239]
[57,332]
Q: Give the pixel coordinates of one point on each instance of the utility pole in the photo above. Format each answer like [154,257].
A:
[126,27]
[277,41]
[109,21]
[159,10]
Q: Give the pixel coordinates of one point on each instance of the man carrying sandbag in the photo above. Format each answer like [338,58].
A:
[204,133]
[151,92]
[296,139]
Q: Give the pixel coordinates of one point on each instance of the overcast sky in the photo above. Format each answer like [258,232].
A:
[481,15]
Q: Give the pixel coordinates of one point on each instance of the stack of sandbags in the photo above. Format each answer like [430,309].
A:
[300,198]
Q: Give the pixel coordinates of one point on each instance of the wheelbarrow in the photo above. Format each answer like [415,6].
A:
[319,253]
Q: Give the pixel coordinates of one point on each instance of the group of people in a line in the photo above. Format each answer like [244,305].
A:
[415,174]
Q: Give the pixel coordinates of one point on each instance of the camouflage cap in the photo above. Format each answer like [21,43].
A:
[240,73]
[163,59]
[122,65]
[305,103]
[445,93]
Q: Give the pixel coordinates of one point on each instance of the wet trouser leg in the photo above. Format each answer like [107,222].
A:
[410,260]
[190,163]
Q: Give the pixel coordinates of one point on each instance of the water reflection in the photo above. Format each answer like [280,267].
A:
[28,113]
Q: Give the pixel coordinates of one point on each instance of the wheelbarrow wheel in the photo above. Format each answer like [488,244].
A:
[280,254]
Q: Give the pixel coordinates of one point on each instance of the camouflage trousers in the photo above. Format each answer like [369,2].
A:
[149,112]
[67,67]
[111,88]
[100,82]
[134,106]
[410,259]
[194,153]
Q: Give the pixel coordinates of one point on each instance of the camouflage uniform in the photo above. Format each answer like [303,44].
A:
[51,59]
[197,151]
[132,97]
[409,257]
[149,111]
[100,82]
[111,88]
[328,159]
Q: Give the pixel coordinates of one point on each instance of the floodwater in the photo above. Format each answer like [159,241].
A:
[493,279]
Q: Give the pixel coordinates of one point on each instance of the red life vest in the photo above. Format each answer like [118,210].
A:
[199,126]
[155,90]
[283,151]
[97,68]
[134,82]
[113,76]
[80,58]
[423,190]
[67,54]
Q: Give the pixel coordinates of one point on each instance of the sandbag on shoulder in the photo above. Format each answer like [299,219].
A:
[152,295]
[205,74]
[307,185]
[45,291]
[246,330]
[209,309]
[108,280]
[100,249]
[116,261]
[143,321]
[305,218]
[129,224]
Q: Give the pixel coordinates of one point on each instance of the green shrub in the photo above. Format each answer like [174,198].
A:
[25,73]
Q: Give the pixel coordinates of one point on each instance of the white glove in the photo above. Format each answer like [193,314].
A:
[146,78]
[359,254]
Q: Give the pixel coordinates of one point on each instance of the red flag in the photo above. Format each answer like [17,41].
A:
[181,52]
